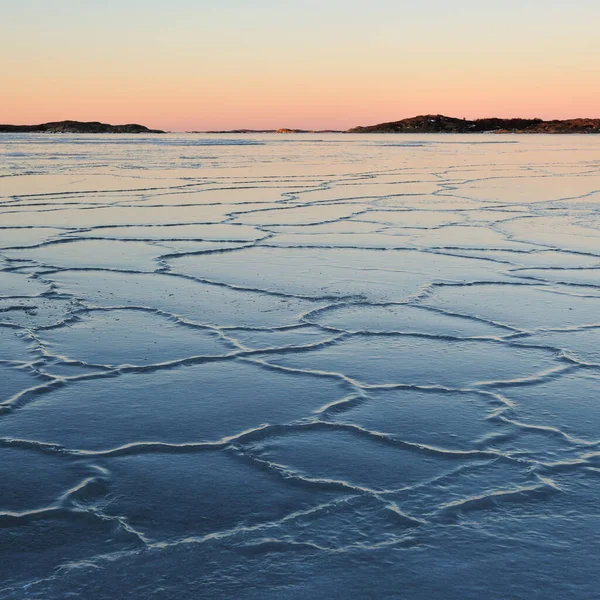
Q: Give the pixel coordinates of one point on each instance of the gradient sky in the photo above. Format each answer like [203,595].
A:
[198,64]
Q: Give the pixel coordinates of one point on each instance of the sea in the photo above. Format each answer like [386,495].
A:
[293,367]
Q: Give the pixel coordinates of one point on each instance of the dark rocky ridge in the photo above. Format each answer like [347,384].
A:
[419,124]
[443,124]
[77,127]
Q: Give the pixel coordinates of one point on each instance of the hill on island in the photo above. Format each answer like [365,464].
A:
[77,127]
[443,124]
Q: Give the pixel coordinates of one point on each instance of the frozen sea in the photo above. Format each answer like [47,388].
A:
[299,367]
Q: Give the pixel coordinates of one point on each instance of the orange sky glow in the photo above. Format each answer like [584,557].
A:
[297,65]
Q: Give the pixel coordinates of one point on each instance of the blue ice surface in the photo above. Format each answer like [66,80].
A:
[282,367]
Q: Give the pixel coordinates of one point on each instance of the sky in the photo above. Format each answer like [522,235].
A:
[222,64]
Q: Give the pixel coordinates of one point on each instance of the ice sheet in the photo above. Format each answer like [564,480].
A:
[288,367]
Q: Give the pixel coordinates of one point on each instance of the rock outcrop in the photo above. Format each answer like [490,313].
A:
[77,127]
[443,124]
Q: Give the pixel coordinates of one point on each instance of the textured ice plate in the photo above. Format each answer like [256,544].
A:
[287,367]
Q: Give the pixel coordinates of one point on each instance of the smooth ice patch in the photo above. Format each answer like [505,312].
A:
[20,284]
[41,311]
[465,237]
[372,190]
[414,416]
[526,190]
[16,380]
[331,272]
[522,306]
[36,480]
[117,215]
[193,247]
[562,232]
[94,254]
[536,258]
[403,318]
[37,546]
[351,458]
[347,226]
[399,359]
[168,496]
[199,302]
[568,404]
[216,232]
[142,338]
[241,194]
[412,218]
[200,403]
[589,277]
[26,236]
[583,345]
[26,185]
[298,215]
[261,340]
[14,345]
[381,240]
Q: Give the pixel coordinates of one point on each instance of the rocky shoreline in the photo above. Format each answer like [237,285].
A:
[443,124]
[418,125]
[77,127]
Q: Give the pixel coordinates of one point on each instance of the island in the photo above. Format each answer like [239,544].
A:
[419,124]
[443,124]
[262,131]
[77,127]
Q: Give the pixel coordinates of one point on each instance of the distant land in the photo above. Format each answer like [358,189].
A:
[280,130]
[419,124]
[77,127]
[443,124]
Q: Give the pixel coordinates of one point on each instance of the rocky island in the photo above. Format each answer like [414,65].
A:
[443,124]
[77,127]
[419,124]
